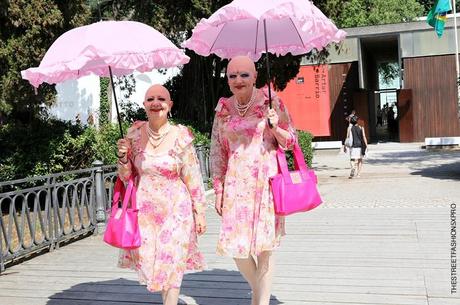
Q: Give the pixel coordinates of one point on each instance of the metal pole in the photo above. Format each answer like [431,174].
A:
[2,265]
[268,70]
[50,214]
[99,10]
[100,202]
[116,102]
[268,64]
[56,214]
[457,65]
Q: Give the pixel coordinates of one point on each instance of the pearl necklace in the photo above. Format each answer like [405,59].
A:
[156,138]
[242,109]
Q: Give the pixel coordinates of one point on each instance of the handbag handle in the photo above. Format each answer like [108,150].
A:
[299,163]
[118,191]
[128,194]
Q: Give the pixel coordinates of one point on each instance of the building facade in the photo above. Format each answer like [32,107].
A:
[425,99]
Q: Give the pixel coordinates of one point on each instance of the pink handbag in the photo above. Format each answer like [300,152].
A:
[294,191]
[122,228]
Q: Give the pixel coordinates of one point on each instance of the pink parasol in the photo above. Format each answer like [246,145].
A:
[292,26]
[105,48]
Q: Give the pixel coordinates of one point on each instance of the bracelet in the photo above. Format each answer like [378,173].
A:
[121,156]
[123,163]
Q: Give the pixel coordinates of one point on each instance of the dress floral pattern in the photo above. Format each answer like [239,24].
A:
[243,157]
[169,188]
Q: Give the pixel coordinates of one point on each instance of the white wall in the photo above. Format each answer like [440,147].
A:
[77,97]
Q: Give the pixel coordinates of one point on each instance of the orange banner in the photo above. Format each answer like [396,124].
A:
[307,100]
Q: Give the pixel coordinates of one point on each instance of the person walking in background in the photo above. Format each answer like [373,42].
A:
[358,147]
[385,114]
[379,116]
[391,122]
[170,197]
[243,157]
[348,118]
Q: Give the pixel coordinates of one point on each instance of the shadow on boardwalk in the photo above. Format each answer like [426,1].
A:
[430,164]
[212,287]
[443,171]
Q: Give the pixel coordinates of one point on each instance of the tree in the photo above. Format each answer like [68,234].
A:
[428,5]
[27,30]
[353,13]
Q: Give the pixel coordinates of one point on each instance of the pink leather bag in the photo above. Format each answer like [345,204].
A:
[294,191]
[122,228]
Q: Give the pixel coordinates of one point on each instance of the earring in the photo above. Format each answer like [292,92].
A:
[170,114]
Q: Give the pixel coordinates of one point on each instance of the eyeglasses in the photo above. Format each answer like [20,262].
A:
[243,75]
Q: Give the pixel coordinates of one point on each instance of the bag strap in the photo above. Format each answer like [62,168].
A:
[299,163]
[282,163]
[118,191]
[299,159]
[130,195]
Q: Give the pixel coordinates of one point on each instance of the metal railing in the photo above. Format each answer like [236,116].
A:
[40,213]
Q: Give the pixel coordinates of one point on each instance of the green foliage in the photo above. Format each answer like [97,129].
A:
[27,30]
[428,5]
[51,146]
[34,149]
[104,106]
[353,13]
[388,71]
[105,143]
[304,139]
[131,112]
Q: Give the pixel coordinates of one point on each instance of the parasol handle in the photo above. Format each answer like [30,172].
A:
[116,103]
[268,70]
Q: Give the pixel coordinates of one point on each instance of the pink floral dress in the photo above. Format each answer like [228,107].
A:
[243,157]
[169,188]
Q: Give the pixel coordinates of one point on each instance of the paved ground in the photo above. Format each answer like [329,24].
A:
[381,239]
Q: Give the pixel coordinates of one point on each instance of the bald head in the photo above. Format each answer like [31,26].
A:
[158,90]
[241,63]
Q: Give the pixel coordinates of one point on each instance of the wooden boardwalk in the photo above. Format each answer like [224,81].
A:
[339,254]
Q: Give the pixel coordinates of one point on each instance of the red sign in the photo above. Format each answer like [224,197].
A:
[307,100]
